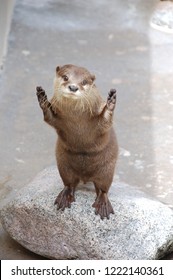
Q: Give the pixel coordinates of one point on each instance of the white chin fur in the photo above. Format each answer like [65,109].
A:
[70,94]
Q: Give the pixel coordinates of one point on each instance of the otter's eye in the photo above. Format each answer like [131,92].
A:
[65,78]
[84,82]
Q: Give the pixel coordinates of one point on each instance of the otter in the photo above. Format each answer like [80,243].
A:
[86,148]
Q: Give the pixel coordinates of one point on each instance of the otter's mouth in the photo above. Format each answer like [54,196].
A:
[71,95]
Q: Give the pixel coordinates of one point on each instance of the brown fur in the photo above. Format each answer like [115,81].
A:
[86,147]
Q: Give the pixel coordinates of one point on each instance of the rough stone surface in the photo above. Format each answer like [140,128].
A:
[141,228]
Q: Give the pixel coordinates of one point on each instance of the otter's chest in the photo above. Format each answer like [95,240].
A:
[77,131]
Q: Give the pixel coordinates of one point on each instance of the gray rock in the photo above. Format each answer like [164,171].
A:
[141,228]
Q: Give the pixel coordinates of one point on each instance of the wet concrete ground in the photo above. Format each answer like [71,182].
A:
[113,39]
[6,8]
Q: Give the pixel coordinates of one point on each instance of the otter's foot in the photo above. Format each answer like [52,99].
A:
[103,206]
[111,100]
[65,198]
[42,97]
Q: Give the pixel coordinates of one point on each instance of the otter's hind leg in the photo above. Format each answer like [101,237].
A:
[102,204]
[66,196]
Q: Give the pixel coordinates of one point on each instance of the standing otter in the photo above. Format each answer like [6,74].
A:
[87,148]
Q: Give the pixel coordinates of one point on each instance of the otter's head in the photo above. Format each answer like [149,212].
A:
[72,82]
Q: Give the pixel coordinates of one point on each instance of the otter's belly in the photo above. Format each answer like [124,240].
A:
[88,162]
[83,164]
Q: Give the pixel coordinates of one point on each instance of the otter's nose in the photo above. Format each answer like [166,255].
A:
[73,88]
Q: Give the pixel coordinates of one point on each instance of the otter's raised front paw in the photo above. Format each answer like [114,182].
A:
[111,101]
[41,95]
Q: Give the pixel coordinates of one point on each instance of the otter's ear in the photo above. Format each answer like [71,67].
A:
[57,68]
[93,78]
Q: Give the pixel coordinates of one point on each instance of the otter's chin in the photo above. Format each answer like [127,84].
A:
[72,95]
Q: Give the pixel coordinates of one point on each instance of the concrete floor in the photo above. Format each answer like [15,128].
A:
[113,39]
[6,8]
